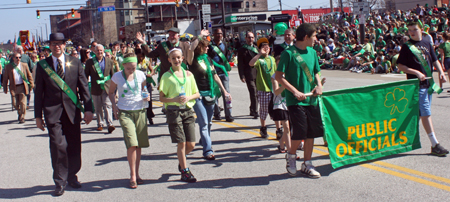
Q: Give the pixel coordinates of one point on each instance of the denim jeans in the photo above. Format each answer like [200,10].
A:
[226,84]
[204,119]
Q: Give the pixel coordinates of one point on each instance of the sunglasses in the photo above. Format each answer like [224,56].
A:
[18,57]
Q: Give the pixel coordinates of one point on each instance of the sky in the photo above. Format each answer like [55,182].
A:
[22,16]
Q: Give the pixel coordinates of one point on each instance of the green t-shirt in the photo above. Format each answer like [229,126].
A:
[171,88]
[386,64]
[446,48]
[381,43]
[318,48]
[262,79]
[342,37]
[378,33]
[294,74]
[3,62]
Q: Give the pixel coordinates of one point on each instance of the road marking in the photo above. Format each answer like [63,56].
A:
[365,165]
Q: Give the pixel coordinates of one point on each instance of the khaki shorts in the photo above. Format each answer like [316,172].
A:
[134,127]
[181,125]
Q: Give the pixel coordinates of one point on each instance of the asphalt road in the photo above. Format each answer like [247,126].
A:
[247,167]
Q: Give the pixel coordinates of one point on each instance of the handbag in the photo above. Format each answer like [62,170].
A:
[208,100]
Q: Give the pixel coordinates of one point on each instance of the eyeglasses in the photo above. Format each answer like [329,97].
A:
[56,44]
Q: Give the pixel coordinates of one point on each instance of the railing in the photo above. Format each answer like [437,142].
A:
[182,13]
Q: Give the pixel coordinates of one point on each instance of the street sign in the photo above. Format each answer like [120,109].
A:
[206,9]
[106,8]
[206,18]
[148,26]
[360,8]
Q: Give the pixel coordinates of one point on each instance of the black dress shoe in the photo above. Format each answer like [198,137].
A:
[217,118]
[230,119]
[59,190]
[75,184]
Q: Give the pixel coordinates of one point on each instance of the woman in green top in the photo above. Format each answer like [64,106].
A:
[444,51]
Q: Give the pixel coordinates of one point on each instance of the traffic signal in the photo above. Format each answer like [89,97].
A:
[28,1]
[187,2]
[38,14]
[176,3]
[73,12]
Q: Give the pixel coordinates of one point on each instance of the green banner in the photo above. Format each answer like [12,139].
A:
[370,122]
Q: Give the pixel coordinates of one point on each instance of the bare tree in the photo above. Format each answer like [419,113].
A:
[349,3]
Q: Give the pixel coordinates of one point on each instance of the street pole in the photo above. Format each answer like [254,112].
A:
[223,18]
[342,13]
[46,32]
[362,28]
[146,21]
[281,8]
[331,7]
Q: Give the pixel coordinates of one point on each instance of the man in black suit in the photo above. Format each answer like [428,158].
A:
[247,74]
[62,115]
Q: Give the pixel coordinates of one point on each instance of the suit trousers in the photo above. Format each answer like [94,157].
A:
[65,149]
[251,86]
[19,101]
[103,109]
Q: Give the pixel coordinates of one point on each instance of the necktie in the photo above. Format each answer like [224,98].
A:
[59,70]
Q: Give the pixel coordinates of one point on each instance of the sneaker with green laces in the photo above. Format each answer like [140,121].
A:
[439,150]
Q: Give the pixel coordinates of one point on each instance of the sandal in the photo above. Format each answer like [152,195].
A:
[133,185]
[140,181]
[281,150]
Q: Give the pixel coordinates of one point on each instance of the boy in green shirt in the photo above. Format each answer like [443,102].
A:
[265,67]
[178,90]
[298,73]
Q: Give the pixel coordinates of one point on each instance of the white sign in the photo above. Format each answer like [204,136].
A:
[360,8]
[206,9]
[362,19]
[206,18]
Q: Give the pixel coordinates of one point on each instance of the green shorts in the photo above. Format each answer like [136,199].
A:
[134,127]
[181,125]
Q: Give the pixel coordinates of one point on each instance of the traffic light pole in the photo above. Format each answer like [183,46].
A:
[146,21]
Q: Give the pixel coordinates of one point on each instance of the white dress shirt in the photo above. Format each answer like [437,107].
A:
[55,63]
[17,78]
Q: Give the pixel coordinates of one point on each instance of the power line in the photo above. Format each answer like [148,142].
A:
[38,2]
[41,6]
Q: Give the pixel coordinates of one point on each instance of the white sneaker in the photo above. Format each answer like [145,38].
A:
[291,164]
[309,170]
[359,71]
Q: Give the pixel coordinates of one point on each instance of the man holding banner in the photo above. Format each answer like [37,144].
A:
[420,66]
[298,73]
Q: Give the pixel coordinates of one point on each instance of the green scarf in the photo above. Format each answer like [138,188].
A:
[214,88]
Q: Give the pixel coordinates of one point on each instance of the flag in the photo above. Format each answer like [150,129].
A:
[19,43]
[370,122]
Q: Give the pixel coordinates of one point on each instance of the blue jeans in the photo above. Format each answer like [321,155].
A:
[204,119]
[226,84]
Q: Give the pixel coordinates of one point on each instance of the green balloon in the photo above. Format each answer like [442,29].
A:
[280,28]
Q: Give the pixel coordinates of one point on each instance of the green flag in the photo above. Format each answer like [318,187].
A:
[370,122]
[19,43]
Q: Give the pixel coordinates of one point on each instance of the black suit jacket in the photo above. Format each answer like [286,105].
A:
[244,57]
[50,99]
[92,72]
[212,54]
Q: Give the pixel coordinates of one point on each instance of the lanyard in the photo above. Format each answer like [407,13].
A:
[184,74]
[129,87]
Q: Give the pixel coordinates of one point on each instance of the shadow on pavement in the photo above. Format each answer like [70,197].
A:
[94,186]
[232,182]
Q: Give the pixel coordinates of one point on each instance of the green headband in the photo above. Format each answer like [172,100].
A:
[108,51]
[129,59]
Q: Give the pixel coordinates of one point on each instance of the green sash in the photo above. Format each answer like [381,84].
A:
[214,87]
[166,48]
[103,79]
[61,84]
[224,59]
[418,54]
[284,46]
[21,74]
[250,48]
[302,63]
